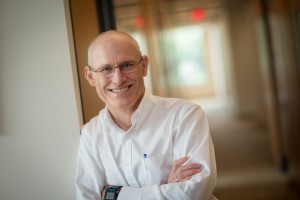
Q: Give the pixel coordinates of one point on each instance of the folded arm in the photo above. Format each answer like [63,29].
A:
[192,139]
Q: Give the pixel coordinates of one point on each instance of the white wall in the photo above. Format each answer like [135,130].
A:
[39,115]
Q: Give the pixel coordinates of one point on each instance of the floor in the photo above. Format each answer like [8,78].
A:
[245,167]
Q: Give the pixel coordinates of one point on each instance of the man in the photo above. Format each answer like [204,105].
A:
[140,146]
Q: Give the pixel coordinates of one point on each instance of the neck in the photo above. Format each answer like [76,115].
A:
[122,119]
[122,116]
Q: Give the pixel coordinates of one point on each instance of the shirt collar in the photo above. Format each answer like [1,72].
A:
[141,112]
[143,109]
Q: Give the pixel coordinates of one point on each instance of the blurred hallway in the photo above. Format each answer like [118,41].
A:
[244,160]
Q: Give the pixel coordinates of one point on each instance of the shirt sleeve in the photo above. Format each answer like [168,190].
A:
[191,138]
[90,177]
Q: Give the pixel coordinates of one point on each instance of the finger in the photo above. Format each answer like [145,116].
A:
[186,179]
[190,166]
[188,173]
[188,170]
[178,163]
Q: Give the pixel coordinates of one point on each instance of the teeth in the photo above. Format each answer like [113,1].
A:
[119,90]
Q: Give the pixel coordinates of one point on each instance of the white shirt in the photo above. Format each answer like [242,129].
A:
[163,130]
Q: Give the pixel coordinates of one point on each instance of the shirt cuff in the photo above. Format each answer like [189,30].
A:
[129,193]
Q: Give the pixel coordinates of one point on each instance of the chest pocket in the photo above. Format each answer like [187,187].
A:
[157,168]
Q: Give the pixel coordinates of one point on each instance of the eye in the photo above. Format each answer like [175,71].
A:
[127,66]
[106,69]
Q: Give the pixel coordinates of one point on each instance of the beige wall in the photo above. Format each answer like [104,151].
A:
[39,116]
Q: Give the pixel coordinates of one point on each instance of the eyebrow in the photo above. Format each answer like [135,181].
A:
[122,62]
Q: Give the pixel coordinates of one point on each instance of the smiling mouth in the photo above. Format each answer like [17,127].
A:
[119,90]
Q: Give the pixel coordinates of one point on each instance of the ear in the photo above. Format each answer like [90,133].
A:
[89,76]
[145,65]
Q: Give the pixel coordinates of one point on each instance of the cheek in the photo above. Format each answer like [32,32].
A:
[100,83]
[100,86]
[101,93]
[140,80]
[141,74]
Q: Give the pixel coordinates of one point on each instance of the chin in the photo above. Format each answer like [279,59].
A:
[121,103]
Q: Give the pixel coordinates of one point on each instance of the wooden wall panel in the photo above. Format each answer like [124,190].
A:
[85,29]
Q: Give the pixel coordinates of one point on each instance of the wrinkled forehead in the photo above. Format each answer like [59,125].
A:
[114,49]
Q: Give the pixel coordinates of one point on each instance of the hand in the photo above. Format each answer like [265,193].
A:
[180,172]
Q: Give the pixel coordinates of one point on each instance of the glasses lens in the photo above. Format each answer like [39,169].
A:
[126,68]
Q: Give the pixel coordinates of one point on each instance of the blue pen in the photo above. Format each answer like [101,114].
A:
[145,156]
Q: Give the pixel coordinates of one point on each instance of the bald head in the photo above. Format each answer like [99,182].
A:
[111,37]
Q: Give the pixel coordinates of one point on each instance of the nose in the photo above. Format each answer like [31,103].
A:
[118,76]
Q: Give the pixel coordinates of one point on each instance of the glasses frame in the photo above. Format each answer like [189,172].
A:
[100,70]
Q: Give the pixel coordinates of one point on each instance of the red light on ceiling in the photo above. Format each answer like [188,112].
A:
[139,22]
[198,14]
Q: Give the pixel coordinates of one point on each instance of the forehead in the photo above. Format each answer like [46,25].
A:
[114,49]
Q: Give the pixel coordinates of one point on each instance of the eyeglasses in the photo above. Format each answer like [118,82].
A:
[125,67]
